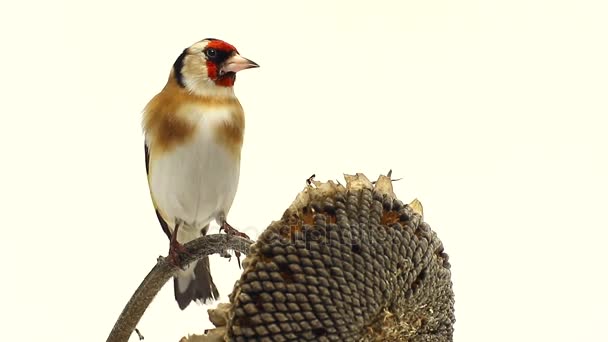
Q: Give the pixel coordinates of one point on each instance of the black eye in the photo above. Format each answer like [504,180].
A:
[211,53]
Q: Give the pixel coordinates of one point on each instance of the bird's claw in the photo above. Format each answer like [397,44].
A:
[232,231]
[176,249]
[238,258]
[176,253]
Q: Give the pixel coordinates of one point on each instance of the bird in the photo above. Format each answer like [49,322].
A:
[193,132]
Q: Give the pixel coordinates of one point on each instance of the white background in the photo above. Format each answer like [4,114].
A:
[493,112]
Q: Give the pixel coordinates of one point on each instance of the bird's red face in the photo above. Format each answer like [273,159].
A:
[217,52]
[210,61]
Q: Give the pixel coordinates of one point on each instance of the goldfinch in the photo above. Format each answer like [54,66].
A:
[193,134]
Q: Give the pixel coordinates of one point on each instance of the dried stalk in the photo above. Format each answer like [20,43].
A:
[162,272]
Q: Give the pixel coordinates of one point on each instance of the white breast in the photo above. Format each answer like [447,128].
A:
[196,182]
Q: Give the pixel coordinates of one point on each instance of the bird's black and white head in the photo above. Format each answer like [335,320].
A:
[209,67]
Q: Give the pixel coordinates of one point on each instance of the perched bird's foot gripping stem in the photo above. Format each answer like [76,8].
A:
[176,249]
[232,231]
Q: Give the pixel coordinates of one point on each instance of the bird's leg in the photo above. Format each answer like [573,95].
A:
[176,249]
[232,231]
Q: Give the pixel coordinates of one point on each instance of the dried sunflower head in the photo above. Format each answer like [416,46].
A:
[344,263]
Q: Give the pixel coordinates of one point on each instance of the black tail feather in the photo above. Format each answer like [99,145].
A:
[201,287]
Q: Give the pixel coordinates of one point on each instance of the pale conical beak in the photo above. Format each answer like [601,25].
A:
[237,63]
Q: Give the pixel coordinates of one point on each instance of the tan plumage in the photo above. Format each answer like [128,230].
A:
[194,134]
[164,117]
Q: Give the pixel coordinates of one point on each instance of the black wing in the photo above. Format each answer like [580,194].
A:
[162,221]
